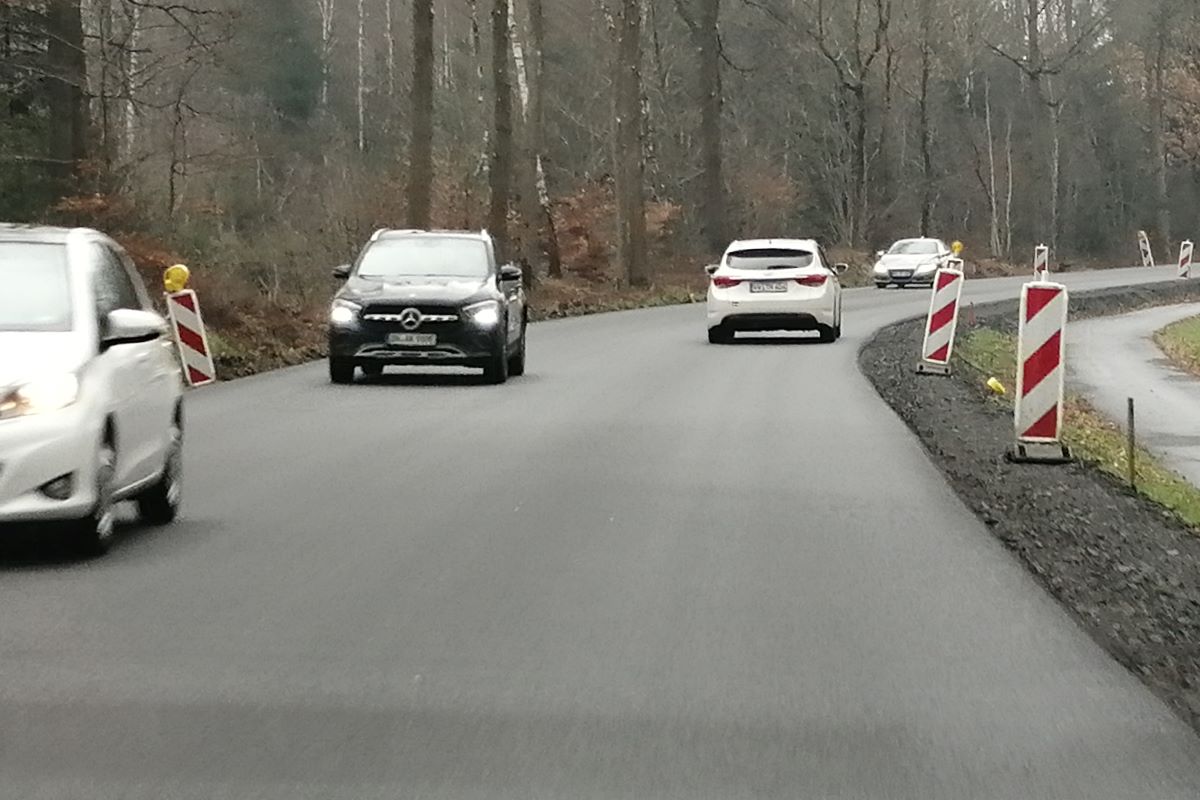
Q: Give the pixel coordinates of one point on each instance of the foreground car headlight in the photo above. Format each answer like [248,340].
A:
[344,312]
[39,396]
[485,314]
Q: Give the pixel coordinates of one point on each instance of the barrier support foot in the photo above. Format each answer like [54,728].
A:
[1040,453]
[925,368]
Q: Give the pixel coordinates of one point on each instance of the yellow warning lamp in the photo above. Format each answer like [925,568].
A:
[996,386]
[175,279]
[957,247]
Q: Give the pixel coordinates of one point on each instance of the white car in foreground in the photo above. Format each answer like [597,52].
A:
[911,262]
[91,394]
[774,285]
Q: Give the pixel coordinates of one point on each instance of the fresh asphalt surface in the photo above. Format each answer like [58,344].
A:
[1115,358]
[653,568]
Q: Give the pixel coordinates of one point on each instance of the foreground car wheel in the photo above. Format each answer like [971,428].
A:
[92,536]
[496,372]
[719,335]
[341,370]
[516,364]
[880,285]
[373,370]
[828,334]
[159,505]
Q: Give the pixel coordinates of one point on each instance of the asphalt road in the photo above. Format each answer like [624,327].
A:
[1115,358]
[653,568]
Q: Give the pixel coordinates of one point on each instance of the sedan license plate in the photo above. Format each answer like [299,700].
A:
[768,287]
[412,339]
[902,274]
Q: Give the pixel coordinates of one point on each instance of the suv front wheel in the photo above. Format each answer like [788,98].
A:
[496,370]
[341,370]
[516,362]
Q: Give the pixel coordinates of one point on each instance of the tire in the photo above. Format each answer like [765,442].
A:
[516,364]
[373,370]
[719,335]
[92,536]
[341,370]
[828,335]
[881,285]
[159,505]
[496,371]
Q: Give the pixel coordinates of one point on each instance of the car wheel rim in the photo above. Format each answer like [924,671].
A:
[105,516]
[175,468]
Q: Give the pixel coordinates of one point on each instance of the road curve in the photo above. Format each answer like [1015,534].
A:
[1114,358]
[652,568]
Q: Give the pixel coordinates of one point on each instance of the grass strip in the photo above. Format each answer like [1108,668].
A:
[1180,341]
[1091,436]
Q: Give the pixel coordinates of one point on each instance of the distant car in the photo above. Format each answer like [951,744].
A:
[428,298]
[91,393]
[774,285]
[910,262]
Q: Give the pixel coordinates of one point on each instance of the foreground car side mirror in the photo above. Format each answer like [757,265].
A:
[880,253]
[510,273]
[711,269]
[131,326]
[841,269]
[342,272]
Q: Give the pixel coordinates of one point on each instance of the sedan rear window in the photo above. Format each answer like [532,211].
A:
[769,258]
[35,289]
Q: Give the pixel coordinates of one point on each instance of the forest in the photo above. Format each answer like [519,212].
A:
[620,141]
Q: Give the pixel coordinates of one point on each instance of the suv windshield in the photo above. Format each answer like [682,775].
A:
[769,258]
[921,248]
[425,256]
[35,291]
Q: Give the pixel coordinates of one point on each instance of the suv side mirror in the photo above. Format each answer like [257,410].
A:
[130,326]
[342,272]
[510,273]
[841,269]
[711,269]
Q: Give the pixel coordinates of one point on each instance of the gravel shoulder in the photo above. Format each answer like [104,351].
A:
[1128,570]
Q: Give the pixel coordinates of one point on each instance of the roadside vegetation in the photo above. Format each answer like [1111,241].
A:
[1180,342]
[1091,436]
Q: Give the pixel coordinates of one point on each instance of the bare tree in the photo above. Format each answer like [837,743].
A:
[420,162]
[627,155]
[500,171]
[703,22]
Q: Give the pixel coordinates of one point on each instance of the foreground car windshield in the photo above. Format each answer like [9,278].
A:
[35,292]
[770,259]
[425,257]
[914,249]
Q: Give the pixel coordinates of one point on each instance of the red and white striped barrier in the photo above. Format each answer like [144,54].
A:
[1041,263]
[1040,373]
[1185,259]
[1147,253]
[190,337]
[942,322]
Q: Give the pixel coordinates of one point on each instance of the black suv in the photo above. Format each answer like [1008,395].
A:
[428,298]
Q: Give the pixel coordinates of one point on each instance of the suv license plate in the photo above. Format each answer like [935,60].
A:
[768,287]
[412,339]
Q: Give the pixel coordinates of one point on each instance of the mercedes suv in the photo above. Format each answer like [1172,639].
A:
[428,298]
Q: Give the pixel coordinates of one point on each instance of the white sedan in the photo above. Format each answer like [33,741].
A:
[774,285]
[911,262]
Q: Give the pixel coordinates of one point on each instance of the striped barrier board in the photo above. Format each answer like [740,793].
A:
[1185,259]
[1147,253]
[191,338]
[1041,263]
[1041,368]
[942,322]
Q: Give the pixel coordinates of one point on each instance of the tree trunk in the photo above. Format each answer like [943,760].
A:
[389,25]
[712,101]
[1159,136]
[133,43]
[993,200]
[65,91]
[627,153]
[537,129]
[925,131]
[420,160]
[859,198]
[500,172]
[326,9]
[361,94]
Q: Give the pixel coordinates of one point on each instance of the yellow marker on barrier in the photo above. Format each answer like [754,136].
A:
[957,247]
[175,279]
[996,386]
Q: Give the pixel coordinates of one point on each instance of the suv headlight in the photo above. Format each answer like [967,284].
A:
[343,312]
[39,396]
[485,314]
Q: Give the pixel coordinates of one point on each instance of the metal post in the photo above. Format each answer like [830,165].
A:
[1131,448]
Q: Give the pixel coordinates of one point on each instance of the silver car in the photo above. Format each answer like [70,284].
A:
[910,262]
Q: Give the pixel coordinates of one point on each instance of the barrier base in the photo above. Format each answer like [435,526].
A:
[927,368]
[1040,453]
